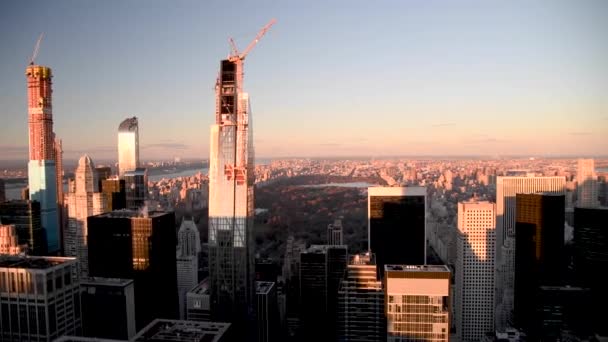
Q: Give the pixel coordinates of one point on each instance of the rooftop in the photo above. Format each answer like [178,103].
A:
[417,268]
[396,191]
[161,330]
[13,261]
[201,288]
[263,287]
[128,213]
[83,339]
[105,281]
[128,125]
[322,248]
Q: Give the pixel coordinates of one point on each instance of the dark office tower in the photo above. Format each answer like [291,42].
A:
[115,193]
[334,233]
[2,191]
[136,187]
[563,308]
[267,311]
[361,302]
[396,225]
[539,244]
[591,260]
[138,245]
[108,308]
[103,172]
[25,215]
[321,270]
[39,299]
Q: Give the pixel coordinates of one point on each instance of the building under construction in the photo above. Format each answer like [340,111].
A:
[231,198]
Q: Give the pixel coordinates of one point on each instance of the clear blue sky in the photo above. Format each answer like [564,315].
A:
[330,78]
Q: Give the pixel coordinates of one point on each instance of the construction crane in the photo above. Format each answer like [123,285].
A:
[35,54]
[234,52]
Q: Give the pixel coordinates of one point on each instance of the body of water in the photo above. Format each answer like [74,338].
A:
[341,185]
[183,173]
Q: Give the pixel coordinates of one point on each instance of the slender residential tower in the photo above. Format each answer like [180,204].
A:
[42,178]
[128,145]
[587,184]
[231,183]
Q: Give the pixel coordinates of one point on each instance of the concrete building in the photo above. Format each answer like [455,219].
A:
[42,172]
[417,302]
[26,217]
[361,302]
[474,297]
[128,146]
[163,330]
[321,270]
[138,245]
[198,302]
[188,248]
[267,311]
[39,299]
[396,223]
[506,189]
[136,188]
[334,233]
[9,242]
[108,308]
[587,185]
[84,201]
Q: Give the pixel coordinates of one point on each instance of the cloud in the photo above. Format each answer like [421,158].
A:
[580,133]
[445,124]
[168,145]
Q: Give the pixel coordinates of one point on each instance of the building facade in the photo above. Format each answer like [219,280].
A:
[84,201]
[361,302]
[396,223]
[39,298]
[198,302]
[587,185]
[506,189]
[188,248]
[128,145]
[136,188]
[334,233]
[26,217]
[115,194]
[476,248]
[267,311]
[9,242]
[42,173]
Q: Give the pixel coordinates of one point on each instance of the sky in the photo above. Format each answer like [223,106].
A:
[339,78]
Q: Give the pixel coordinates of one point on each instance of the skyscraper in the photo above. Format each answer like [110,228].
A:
[417,302]
[587,184]
[25,215]
[361,302]
[115,193]
[267,311]
[476,247]
[198,303]
[84,201]
[334,233]
[136,188]
[52,308]
[8,240]
[42,178]
[137,245]
[231,211]
[188,247]
[539,247]
[506,189]
[321,270]
[396,221]
[128,145]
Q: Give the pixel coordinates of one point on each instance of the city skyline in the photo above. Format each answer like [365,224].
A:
[512,69]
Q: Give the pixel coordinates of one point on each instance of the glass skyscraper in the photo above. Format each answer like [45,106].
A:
[128,145]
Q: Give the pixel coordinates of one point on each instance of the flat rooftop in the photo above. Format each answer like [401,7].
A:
[263,287]
[28,262]
[201,288]
[128,213]
[322,248]
[83,339]
[161,330]
[417,268]
[105,281]
[396,191]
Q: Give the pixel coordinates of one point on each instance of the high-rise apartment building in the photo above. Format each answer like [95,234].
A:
[476,247]
[42,173]
[108,308]
[417,302]
[138,245]
[587,185]
[115,193]
[9,242]
[334,233]
[591,260]
[231,199]
[321,270]
[396,223]
[85,200]
[188,248]
[506,189]
[25,215]
[539,252]
[267,311]
[128,145]
[39,298]
[361,302]
[136,188]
